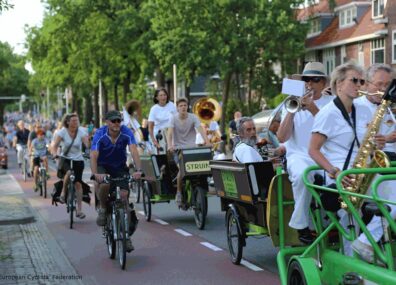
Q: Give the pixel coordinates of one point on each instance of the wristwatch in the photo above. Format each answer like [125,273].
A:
[333,172]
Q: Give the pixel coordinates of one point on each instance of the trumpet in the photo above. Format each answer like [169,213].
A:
[366,93]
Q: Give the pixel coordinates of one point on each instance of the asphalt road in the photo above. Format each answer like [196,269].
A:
[164,251]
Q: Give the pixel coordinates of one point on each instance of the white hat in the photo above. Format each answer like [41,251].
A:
[312,69]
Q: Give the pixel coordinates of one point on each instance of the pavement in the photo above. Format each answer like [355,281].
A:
[29,254]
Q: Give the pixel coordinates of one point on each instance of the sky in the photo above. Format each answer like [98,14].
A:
[12,22]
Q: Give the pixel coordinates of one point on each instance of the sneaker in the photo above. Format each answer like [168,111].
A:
[305,236]
[363,250]
[101,219]
[178,198]
[129,245]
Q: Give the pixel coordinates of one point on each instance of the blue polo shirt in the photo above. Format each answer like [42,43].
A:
[112,157]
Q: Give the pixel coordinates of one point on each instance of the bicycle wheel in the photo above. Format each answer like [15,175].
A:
[41,184]
[235,238]
[146,201]
[44,180]
[24,169]
[201,207]
[121,238]
[70,202]
[135,191]
[111,243]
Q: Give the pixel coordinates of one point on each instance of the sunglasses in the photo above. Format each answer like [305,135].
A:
[357,80]
[116,121]
[313,79]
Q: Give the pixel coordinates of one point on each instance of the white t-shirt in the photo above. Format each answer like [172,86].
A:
[330,122]
[365,111]
[245,154]
[161,116]
[75,151]
[303,121]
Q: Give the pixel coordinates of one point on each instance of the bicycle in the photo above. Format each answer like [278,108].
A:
[25,169]
[71,193]
[41,183]
[117,229]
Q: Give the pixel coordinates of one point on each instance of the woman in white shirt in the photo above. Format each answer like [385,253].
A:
[160,114]
[334,139]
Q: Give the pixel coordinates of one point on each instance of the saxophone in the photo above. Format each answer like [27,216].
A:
[362,182]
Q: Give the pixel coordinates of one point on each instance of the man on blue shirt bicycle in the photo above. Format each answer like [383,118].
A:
[109,156]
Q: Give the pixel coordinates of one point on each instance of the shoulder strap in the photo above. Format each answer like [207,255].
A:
[341,107]
[68,149]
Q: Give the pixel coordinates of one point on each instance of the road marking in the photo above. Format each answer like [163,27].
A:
[161,222]
[211,246]
[183,233]
[141,213]
[251,266]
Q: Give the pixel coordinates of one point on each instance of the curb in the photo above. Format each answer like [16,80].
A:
[21,221]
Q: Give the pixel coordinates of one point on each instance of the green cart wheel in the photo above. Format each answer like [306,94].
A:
[295,274]
[235,237]
[146,200]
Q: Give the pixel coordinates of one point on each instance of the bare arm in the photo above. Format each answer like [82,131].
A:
[169,139]
[94,161]
[85,141]
[317,141]
[151,130]
[286,128]
[203,134]
[136,159]
[55,144]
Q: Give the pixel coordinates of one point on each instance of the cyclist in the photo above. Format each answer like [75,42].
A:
[109,156]
[20,140]
[72,136]
[38,148]
[181,134]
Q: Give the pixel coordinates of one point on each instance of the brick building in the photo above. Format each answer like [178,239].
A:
[364,31]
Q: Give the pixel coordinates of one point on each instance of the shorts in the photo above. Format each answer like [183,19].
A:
[78,167]
[36,160]
[115,173]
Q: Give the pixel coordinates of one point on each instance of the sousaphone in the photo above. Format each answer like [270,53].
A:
[207,110]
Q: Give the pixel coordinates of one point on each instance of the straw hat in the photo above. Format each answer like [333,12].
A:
[312,69]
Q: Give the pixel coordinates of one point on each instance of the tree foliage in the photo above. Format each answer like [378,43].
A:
[125,44]
[13,76]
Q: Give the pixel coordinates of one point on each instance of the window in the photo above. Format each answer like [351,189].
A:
[347,17]
[394,46]
[314,28]
[378,51]
[343,54]
[378,8]
[310,56]
[329,59]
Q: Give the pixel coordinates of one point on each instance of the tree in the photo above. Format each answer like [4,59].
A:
[13,76]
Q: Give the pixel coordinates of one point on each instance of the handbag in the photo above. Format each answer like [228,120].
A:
[60,173]
[58,191]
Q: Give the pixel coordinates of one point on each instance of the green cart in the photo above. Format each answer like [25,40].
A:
[324,262]
[159,182]
[257,202]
